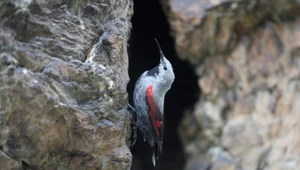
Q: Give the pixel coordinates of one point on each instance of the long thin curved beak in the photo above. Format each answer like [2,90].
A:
[160,50]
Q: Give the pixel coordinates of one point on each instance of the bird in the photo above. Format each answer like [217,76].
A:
[148,103]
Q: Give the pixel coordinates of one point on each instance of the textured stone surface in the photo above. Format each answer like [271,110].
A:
[246,54]
[63,78]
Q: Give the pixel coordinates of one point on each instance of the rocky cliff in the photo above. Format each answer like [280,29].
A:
[64,72]
[246,55]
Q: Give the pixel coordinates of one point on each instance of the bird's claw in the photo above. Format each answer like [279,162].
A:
[131,108]
[135,125]
[134,135]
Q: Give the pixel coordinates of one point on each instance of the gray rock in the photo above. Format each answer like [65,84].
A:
[63,78]
[246,54]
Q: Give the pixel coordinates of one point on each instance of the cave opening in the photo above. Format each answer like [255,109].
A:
[149,22]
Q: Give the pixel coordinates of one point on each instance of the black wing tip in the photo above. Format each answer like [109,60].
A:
[157,149]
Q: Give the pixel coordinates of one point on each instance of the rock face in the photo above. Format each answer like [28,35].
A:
[246,54]
[63,78]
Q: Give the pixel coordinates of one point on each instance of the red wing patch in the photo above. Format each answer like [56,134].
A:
[156,116]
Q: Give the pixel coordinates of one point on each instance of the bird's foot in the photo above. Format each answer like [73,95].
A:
[134,124]
[134,134]
[131,108]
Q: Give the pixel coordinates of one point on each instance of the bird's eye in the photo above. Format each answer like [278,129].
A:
[165,68]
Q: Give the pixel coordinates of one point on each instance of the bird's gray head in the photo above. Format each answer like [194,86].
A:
[164,71]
